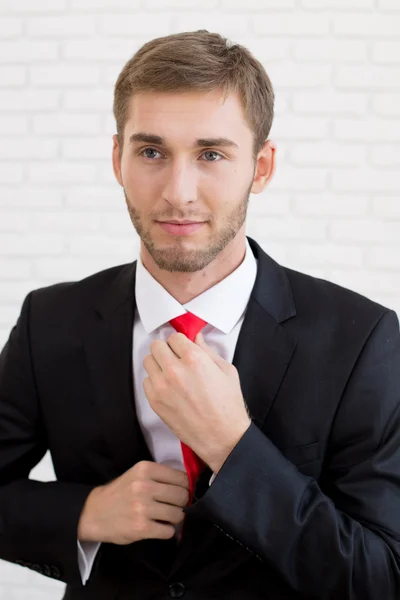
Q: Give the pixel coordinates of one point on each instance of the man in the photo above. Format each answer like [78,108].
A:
[220,426]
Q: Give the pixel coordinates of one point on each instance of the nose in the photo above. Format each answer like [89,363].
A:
[181,185]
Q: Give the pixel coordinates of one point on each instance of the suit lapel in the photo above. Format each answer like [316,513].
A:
[108,347]
[263,352]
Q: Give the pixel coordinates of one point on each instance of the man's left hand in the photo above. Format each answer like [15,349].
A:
[198,395]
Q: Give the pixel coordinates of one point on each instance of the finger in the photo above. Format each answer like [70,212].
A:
[162,353]
[179,343]
[200,341]
[152,367]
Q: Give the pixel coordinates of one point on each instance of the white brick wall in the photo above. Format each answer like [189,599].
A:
[332,210]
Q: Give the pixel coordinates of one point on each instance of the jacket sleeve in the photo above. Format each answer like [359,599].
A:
[339,539]
[38,520]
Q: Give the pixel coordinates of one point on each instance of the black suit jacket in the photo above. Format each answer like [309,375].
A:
[307,505]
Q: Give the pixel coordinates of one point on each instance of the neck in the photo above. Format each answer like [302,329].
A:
[186,286]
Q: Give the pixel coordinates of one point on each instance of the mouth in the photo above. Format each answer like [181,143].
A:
[187,228]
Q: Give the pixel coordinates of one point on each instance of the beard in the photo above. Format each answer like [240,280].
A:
[174,257]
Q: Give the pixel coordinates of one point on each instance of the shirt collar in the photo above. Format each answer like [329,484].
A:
[222,305]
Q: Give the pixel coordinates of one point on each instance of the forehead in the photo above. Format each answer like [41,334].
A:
[200,113]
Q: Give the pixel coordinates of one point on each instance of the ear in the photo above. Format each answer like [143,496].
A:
[116,160]
[265,167]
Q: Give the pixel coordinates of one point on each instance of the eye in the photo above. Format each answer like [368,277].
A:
[145,150]
[213,152]
[142,153]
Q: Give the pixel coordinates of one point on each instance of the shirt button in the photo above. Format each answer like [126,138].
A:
[176,590]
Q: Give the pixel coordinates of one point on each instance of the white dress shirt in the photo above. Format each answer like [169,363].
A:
[223,307]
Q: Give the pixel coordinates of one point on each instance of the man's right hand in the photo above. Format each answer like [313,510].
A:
[145,502]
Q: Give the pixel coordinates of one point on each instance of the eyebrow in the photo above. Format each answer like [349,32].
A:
[199,143]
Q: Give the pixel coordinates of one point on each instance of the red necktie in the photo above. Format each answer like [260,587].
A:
[190,325]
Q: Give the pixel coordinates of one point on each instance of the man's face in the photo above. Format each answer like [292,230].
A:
[177,179]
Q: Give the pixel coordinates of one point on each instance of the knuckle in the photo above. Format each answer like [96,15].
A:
[191,358]
[171,373]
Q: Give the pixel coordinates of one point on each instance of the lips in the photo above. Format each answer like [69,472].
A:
[184,229]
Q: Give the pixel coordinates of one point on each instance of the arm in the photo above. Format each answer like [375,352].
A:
[38,521]
[344,543]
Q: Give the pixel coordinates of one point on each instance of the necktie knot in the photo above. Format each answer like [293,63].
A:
[188,324]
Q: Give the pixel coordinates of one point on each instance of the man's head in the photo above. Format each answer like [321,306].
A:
[193,115]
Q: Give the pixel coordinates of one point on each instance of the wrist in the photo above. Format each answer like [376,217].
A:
[88,527]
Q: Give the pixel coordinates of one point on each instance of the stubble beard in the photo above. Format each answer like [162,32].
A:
[174,257]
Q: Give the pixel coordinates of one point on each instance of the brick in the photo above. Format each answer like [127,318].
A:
[267,5]
[369,25]
[330,102]
[10,27]
[27,6]
[101,5]
[28,245]
[55,172]
[290,179]
[368,78]
[386,104]
[366,180]
[65,124]
[332,50]
[115,223]
[292,76]
[227,24]
[23,148]
[95,147]
[295,24]
[290,228]
[99,246]
[130,25]
[27,51]
[65,221]
[266,50]
[326,154]
[71,269]
[62,26]
[386,52]
[368,282]
[330,205]
[338,5]
[14,221]
[388,5]
[327,254]
[367,130]
[31,197]
[386,207]
[384,156]
[296,128]
[66,75]
[10,172]
[267,203]
[364,230]
[98,50]
[14,269]
[97,100]
[13,125]
[380,257]
[94,196]
[12,76]
[28,100]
